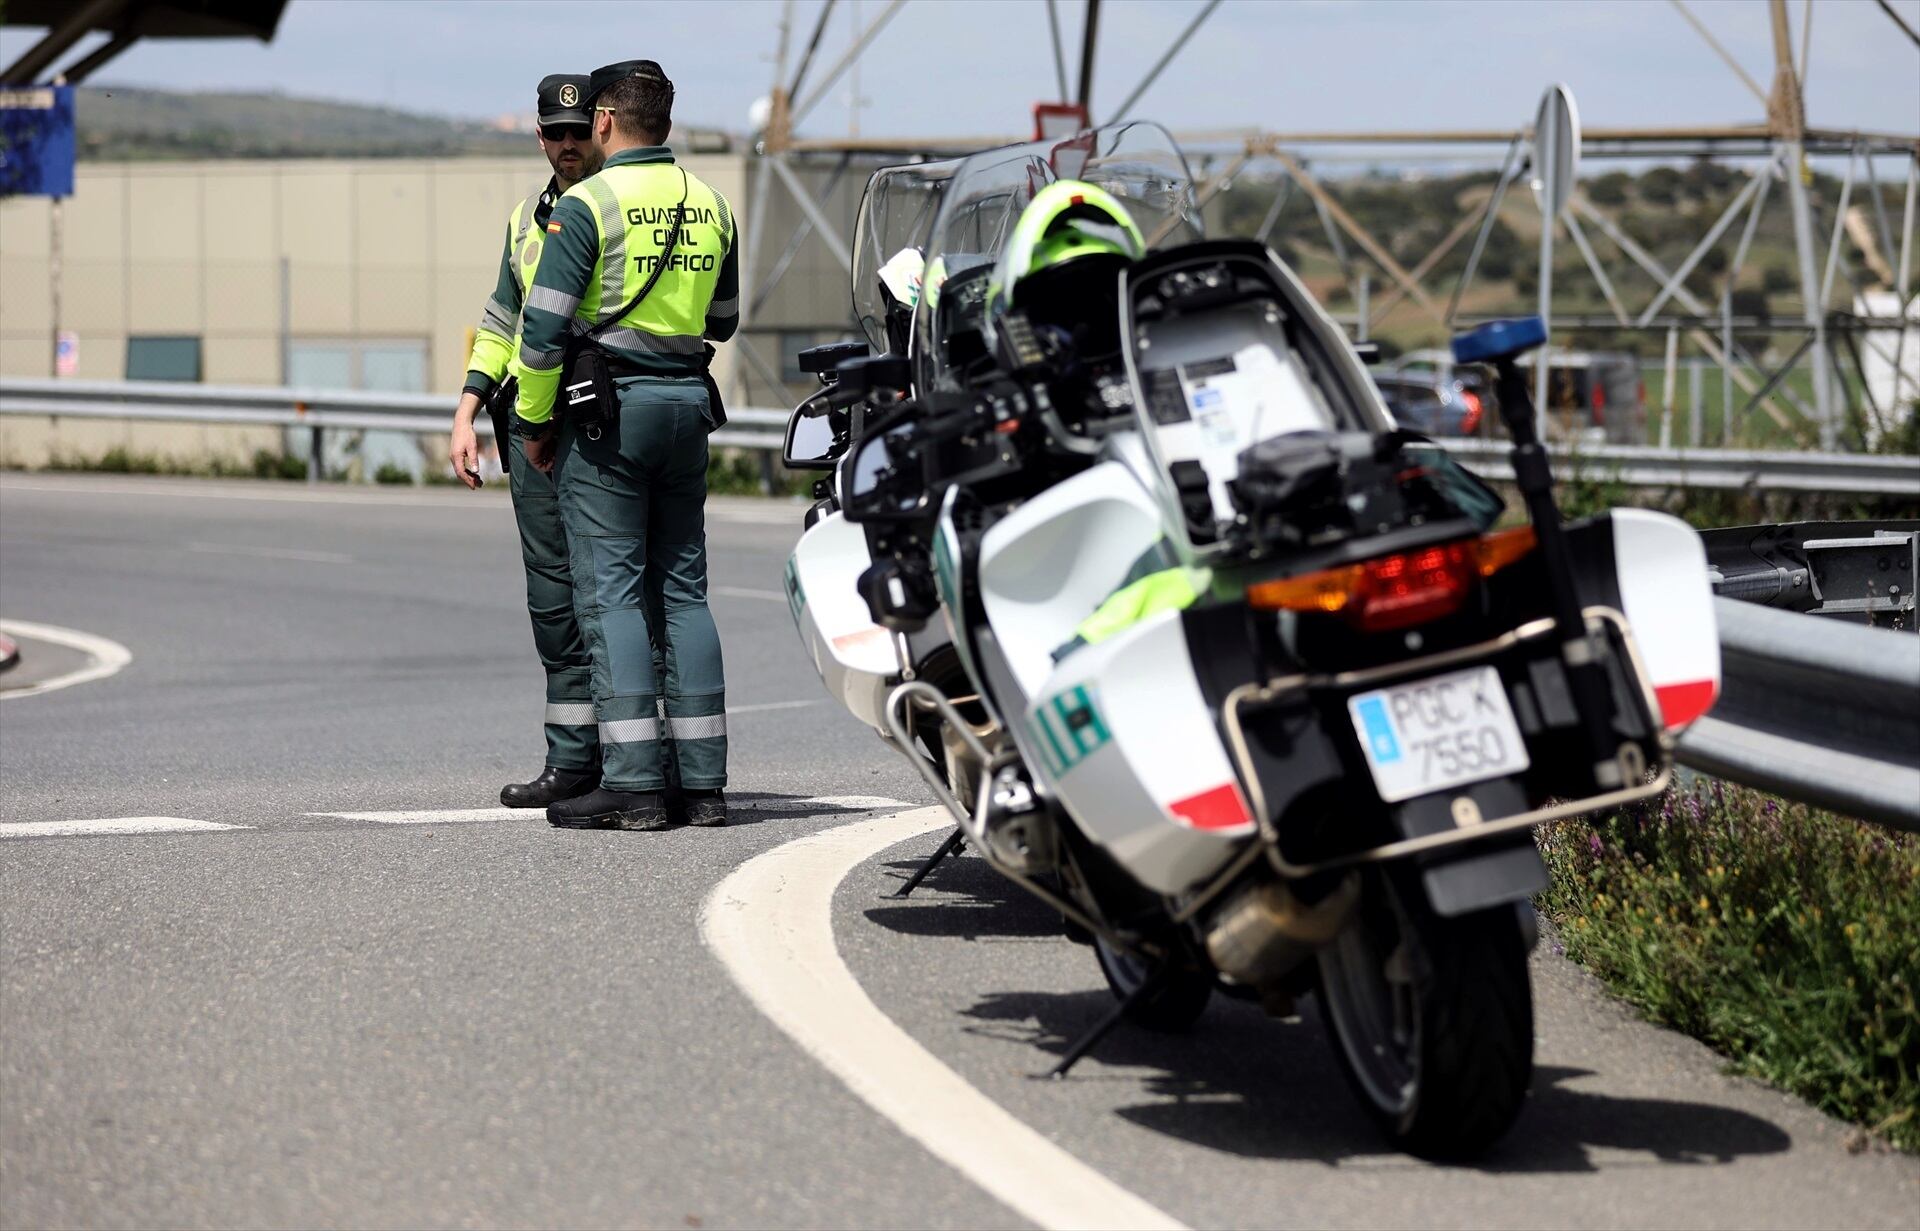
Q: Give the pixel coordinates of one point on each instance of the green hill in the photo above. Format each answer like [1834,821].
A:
[118,122]
[1664,208]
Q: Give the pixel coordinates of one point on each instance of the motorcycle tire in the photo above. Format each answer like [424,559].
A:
[1173,1008]
[1431,1018]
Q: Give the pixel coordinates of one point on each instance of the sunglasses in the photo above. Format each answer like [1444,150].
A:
[560,132]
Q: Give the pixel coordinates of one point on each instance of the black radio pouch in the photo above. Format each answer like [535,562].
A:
[587,395]
[499,407]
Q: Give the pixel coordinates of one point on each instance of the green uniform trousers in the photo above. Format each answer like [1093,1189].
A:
[573,739]
[634,503]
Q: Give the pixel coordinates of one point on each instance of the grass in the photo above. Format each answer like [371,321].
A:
[737,472]
[1758,430]
[729,473]
[1785,937]
[1584,494]
[264,464]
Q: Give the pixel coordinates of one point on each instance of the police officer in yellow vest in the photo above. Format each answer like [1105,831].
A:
[638,273]
[572,737]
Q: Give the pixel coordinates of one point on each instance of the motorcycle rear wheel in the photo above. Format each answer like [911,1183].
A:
[1171,1009]
[1431,1018]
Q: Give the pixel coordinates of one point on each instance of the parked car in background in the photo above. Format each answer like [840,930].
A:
[1593,397]
[1432,404]
[1429,392]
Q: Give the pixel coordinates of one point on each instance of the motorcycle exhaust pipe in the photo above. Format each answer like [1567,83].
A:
[1264,930]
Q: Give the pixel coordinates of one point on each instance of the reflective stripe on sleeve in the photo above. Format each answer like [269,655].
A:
[724,307]
[630,731]
[705,727]
[570,713]
[497,319]
[547,299]
[541,360]
[613,245]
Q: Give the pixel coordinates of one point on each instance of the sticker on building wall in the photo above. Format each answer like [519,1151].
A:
[66,353]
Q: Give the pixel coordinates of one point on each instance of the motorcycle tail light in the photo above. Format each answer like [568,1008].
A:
[1413,587]
[1470,422]
[1396,591]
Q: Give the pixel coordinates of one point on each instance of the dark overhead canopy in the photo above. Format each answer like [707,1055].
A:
[126,22]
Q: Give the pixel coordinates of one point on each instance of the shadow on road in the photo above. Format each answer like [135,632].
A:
[753,807]
[1247,1084]
[974,903]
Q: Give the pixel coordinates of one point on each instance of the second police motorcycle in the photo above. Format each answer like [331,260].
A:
[1124,553]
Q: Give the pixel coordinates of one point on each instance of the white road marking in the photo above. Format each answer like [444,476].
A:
[853,801]
[768,706]
[450,816]
[770,923]
[110,825]
[739,511]
[108,657]
[270,553]
[207,489]
[771,596]
[774,514]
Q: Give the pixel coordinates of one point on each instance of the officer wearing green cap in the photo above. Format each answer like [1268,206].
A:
[572,737]
[638,275]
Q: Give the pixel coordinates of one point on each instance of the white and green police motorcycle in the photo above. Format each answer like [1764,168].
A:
[1252,686]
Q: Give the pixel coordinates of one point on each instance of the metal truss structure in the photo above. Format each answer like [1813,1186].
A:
[1779,152]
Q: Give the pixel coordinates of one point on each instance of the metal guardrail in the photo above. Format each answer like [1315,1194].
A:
[317,410]
[322,410]
[1815,709]
[1647,466]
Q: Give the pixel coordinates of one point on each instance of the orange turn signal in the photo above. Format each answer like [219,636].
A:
[1399,590]
[1497,550]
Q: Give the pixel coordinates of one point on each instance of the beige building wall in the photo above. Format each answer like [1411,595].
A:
[248,255]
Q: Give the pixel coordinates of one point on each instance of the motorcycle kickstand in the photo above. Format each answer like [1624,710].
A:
[1105,1025]
[955,843]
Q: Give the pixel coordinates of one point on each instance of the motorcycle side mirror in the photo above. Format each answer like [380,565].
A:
[862,378]
[1369,352]
[880,478]
[811,441]
[822,361]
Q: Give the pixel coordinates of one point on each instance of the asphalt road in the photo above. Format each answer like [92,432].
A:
[317,1019]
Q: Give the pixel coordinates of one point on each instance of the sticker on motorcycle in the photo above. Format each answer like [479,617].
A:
[1069,729]
[796,597]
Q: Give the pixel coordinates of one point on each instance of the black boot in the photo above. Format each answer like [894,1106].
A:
[706,807]
[551,786]
[610,809]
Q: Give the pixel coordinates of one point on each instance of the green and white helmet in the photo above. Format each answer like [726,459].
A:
[1065,222]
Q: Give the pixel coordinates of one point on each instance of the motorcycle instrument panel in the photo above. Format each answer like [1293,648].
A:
[1436,733]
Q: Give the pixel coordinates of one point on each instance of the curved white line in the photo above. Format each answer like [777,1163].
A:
[771,925]
[108,657]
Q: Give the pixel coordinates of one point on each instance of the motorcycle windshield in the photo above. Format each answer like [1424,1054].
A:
[897,214]
[1139,163]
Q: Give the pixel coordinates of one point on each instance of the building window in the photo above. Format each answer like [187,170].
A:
[163,359]
[792,342]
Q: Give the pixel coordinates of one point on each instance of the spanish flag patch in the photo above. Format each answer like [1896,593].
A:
[553,228]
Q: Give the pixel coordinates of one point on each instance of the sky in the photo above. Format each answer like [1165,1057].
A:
[948,68]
